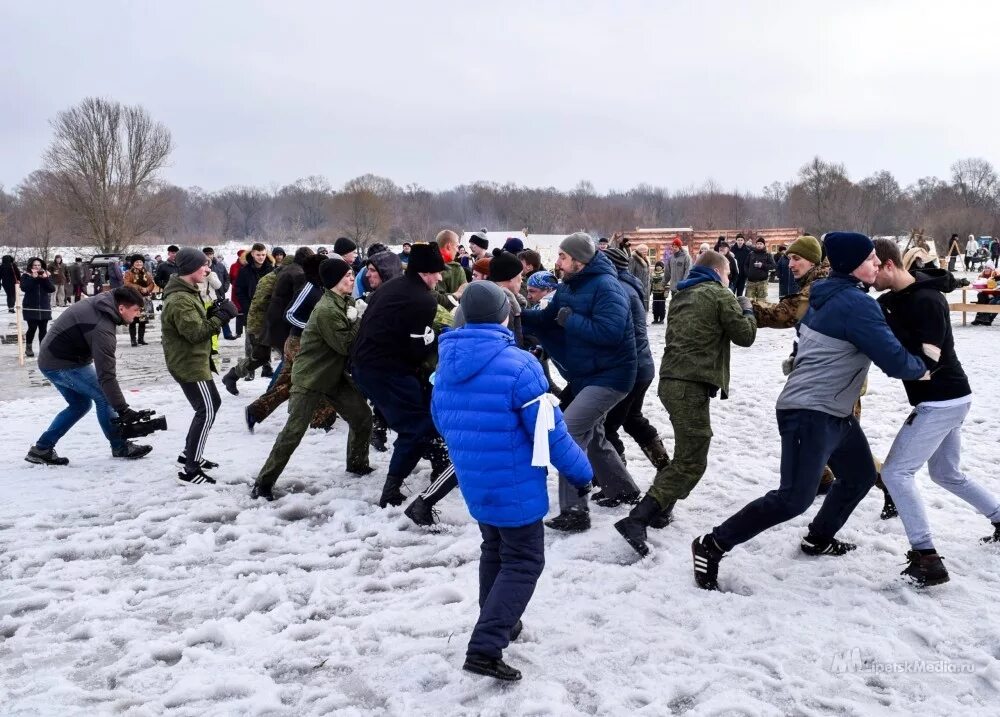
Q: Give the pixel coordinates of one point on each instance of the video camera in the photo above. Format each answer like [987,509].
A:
[141,426]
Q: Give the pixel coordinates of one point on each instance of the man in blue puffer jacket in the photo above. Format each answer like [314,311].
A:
[490,404]
[842,333]
[587,328]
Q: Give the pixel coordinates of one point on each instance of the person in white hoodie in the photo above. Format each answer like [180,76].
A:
[971,249]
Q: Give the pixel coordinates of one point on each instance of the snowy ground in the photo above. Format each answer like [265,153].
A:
[122,592]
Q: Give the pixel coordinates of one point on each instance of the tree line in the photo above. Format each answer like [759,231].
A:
[100,184]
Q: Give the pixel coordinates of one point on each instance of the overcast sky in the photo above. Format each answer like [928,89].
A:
[442,93]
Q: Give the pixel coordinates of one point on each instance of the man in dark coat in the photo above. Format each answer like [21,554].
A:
[587,328]
[166,269]
[287,287]
[741,252]
[394,340]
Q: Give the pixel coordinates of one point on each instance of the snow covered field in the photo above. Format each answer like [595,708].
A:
[122,592]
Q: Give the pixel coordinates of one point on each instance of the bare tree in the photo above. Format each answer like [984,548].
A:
[242,207]
[307,201]
[976,181]
[367,208]
[104,158]
[38,216]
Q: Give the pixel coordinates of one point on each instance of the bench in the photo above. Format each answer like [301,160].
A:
[965,307]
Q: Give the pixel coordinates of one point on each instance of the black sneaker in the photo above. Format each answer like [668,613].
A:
[498,669]
[633,527]
[811,545]
[205,463]
[47,457]
[606,501]
[925,569]
[707,555]
[131,450]
[258,492]
[229,381]
[196,478]
[420,512]
[995,538]
[571,521]
[250,420]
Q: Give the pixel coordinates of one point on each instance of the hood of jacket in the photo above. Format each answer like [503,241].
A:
[937,279]
[698,275]
[387,264]
[105,305]
[468,351]
[824,290]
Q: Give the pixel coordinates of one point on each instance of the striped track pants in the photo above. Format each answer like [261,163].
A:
[204,399]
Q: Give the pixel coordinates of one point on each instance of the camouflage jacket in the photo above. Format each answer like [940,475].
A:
[789,311]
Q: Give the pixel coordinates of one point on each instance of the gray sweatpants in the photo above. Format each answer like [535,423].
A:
[931,435]
[585,422]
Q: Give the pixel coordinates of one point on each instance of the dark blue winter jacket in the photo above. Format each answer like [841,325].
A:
[482,384]
[596,347]
[646,369]
[842,333]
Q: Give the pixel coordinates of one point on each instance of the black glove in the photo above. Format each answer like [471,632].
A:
[563,316]
[224,310]
[584,490]
[128,415]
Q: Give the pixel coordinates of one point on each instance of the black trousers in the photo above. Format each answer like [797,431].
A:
[204,399]
[740,285]
[35,325]
[8,287]
[659,308]
[628,415]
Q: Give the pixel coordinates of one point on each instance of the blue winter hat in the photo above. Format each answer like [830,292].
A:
[847,250]
[543,280]
[513,245]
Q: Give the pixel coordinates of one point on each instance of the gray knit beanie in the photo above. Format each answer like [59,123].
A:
[483,302]
[580,246]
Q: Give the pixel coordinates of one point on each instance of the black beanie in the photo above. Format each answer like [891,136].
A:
[504,266]
[480,240]
[189,260]
[331,271]
[344,246]
[311,268]
[425,259]
[617,257]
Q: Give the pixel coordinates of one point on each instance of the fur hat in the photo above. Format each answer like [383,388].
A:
[424,259]
[847,250]
[331,271]
[483,302]
[807,247]
[504,266]
[579,246]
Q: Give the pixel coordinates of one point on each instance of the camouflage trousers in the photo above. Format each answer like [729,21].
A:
[757,290]
[687,403]
[265,405]
[351,405]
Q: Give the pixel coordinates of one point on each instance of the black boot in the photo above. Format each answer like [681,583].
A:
[607,501]
[515,632]
[571,521]
[266,371]
[925,568]
[229,381]
[995,538]
[421,512]
[260,492]
[498,669]
[663,519]
[131,450]
[48,457]
[142,334]
[391,495]
[633,527]
[379,438]
[656,453]
[131,333]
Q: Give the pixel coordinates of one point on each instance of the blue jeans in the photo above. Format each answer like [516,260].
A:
[511,561]
[931,435]
[809,441]
[80,388]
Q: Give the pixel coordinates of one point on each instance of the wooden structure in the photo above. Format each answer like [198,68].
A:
[966,307]
[659,240]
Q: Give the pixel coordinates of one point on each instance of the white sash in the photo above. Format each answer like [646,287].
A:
[545,421]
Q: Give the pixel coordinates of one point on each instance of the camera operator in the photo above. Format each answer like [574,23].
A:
[187,332]
[78,358]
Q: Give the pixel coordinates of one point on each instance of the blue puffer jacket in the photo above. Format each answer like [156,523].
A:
[646,369]
[596,348]
[482,383]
